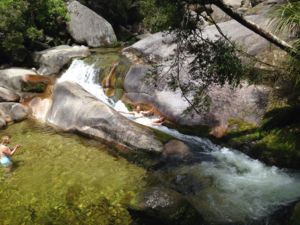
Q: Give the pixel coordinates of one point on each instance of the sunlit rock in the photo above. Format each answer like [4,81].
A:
[52,60]
[87,27]
[74,109]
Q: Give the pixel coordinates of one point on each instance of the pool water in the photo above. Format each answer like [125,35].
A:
[65,179]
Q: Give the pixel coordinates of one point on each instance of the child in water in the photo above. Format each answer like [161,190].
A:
[6,152]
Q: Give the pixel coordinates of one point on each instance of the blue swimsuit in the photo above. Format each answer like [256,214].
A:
[5,161]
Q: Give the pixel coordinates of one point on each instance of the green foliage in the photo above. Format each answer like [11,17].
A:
[162,16]
[117,12]
[25,21]
[199,61]
[285,20]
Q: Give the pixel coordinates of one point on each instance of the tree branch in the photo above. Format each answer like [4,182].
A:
[257,29]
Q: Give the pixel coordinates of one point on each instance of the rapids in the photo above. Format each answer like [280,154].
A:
[234,187]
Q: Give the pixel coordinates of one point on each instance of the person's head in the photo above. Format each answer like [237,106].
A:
[5,139]
[138,108]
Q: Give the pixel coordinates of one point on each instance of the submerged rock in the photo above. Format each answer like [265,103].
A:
[73,109]
[167,206]
[52,60]
[176,149]
[87,27]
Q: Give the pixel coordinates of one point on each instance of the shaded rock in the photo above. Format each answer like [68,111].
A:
[295,218]
[11,111]
[168,206]
[87,27]
[247,102]
[176,149]
[7,95]
[73,109]
[52,60]
[2,123]
[13,78]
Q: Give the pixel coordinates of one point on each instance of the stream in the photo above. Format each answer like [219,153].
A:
[62,178]
[225,185]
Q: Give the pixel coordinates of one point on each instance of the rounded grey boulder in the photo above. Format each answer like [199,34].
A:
[87,27]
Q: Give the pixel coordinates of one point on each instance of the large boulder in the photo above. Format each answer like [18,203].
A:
[247,102]
[52,60]
[87,27]
[14,77]
[74,109]
[161,46]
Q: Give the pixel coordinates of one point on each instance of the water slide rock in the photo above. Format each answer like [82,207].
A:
[52,60]
[247,102]
[74,109]
[87,27]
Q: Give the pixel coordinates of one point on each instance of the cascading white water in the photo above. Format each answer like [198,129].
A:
[239,187]
[87,77]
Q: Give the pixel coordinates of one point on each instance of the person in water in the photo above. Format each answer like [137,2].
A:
[6,152]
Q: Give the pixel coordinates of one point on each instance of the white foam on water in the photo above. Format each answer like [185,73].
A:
[87,77]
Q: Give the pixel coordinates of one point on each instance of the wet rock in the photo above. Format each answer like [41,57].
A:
[39,108]
[11,111]
[73,109]
[87,27]
[176,149]
[7,95]
[247,102]
[52,60]
[167,206]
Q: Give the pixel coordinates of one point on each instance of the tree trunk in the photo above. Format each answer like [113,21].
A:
[257,29]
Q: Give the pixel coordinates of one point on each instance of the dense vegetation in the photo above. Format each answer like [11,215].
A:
[29,24]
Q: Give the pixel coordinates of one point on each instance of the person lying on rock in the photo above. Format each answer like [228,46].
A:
[159,121]
[6,152]
[149,112]
[136,112]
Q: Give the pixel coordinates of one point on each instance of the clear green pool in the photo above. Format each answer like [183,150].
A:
[65,179]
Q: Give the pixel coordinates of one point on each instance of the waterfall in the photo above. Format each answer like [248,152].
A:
[87,77]
[235,188]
